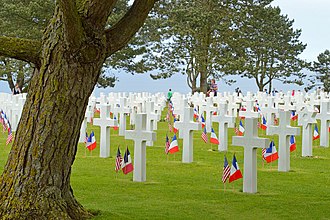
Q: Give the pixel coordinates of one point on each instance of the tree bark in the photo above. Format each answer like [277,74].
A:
[35,183]
[36,179]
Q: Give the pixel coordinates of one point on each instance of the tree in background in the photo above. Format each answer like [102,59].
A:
[68,60]
[269,46]
[322,72]
[217,38]
[28,19]
[23,19]
[187,38]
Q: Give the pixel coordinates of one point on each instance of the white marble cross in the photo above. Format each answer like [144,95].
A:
[140,136]
[324,117]
[224,121]
[152,117]
[82,137]
[124,110]
[284,131]
[209,109]
[250,141]
[105,122]
[249,113]
[270,110]
[186,127]
[306,119]
[287,104]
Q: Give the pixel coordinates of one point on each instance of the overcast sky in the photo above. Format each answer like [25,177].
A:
[312,16]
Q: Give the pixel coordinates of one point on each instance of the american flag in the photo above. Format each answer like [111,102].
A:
[226,171]
[10,137]
[167,144]
[118,161]
[170,127]
[263,152]
[86,138]
[204,136]
[236,131]
[168,116]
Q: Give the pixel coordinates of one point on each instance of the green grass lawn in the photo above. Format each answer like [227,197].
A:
[194,191]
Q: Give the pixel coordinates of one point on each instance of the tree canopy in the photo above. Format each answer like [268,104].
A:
[321,67]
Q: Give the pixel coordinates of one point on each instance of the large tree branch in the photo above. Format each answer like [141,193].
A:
[73,30]
[21,49]
[120,34]
[96,13]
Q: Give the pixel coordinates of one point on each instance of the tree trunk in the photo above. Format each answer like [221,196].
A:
[35,183]
[203,82]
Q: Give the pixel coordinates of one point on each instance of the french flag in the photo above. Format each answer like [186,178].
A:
[174,147]
[316,134]
[241,129]
[127,165]
[263,125]
[202,120]
[214,138]
[294,117]
[271,153]
[292,143]
[195,114]
[116,124]
[235,172]
[175,130]
[91,142]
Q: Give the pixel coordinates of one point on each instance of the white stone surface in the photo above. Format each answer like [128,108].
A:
[250,141]
[140,136]
[186,127]
[105,122]
[224,122]
[306,119]
[284,131]
[324,117]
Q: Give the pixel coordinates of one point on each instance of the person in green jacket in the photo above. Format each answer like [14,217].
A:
[169,95]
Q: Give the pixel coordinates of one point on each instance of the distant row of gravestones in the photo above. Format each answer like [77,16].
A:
[145,111]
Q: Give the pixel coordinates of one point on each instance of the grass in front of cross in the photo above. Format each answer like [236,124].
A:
[174,190]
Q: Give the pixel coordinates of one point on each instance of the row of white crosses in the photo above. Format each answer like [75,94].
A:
[324,117]
[12,105]
[104,122]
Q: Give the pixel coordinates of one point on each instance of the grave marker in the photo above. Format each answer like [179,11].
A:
[284,131]
[140,136]
[250,141]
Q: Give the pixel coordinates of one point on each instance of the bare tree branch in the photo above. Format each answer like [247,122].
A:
[120,34]
[21,49]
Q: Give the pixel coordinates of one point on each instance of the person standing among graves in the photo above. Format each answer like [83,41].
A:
[169,95]
[16,89]
[214,87]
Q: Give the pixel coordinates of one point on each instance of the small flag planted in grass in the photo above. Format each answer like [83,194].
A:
[174,147]
[118,161]
[271,153]
[204,136]
[235,172]
[91,142]
[316,134]
[214,138]
[292,143]
[126,164]
[226,171]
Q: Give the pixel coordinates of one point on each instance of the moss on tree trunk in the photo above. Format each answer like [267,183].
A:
[36,180]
